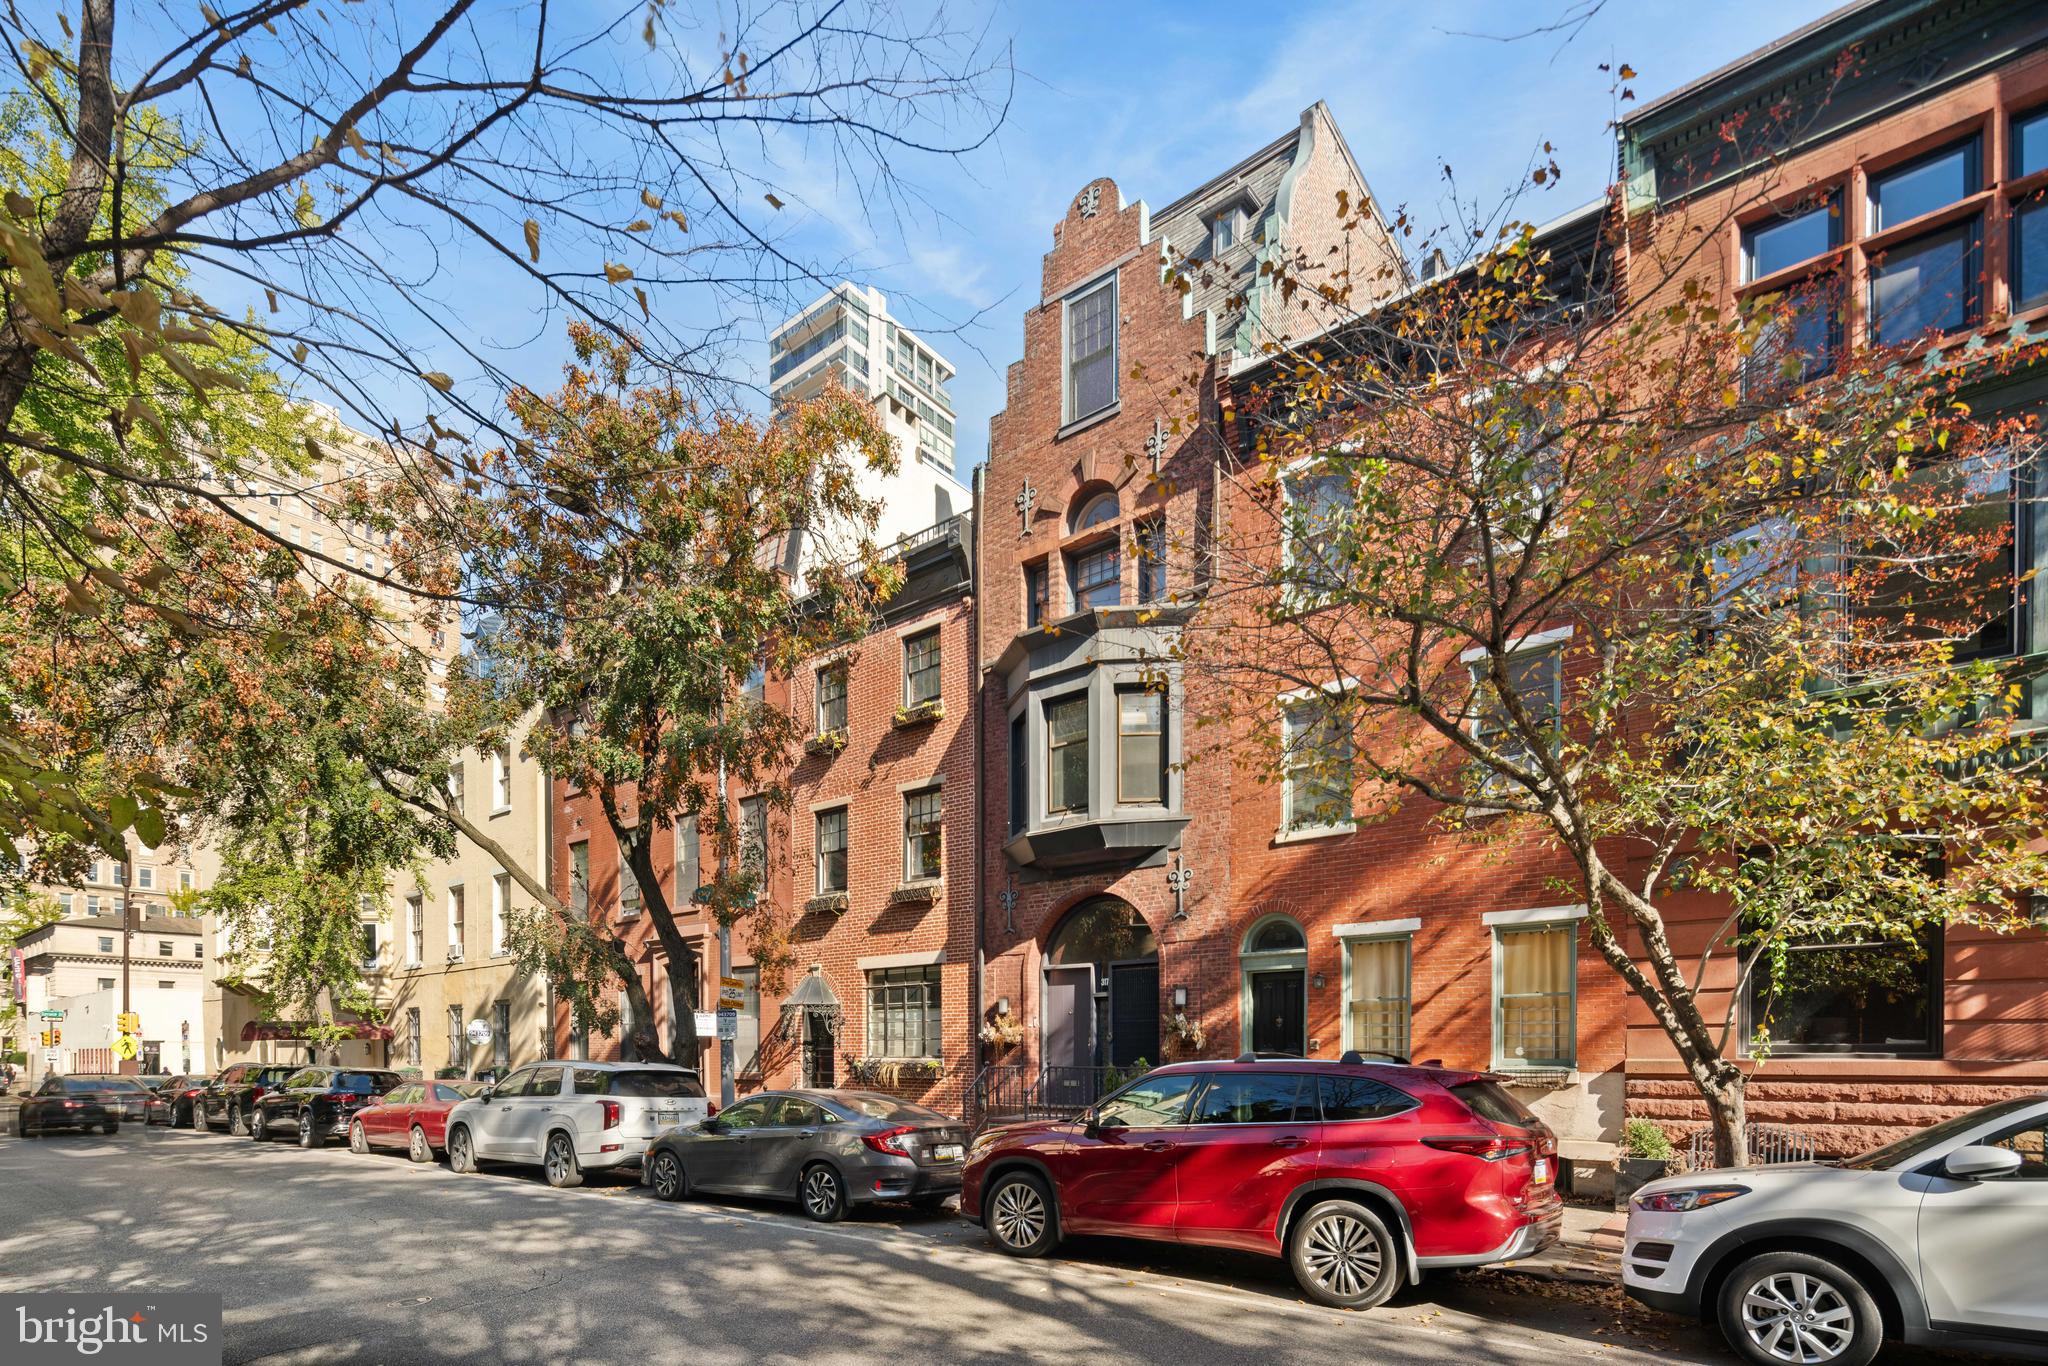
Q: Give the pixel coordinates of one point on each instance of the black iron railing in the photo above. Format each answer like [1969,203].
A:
[1005,1093]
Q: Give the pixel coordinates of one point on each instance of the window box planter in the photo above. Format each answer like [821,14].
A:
[831,742]
[895,1071]
[830,903]
[916,894]
[917,715]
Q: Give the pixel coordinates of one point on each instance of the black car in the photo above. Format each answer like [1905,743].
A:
[180,1097]
[315,1103]
[231,1097]
[84,1103]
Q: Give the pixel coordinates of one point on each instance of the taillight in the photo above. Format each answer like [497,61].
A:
[612,1113]
[255,1091]
[1488,1148]
[882,1142]
[74,1105]
[189,1094]
[710,1108]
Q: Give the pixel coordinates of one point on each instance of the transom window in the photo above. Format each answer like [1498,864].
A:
[921,668]
[1091,350]
[904,1019]
[831,849]
[1097,511]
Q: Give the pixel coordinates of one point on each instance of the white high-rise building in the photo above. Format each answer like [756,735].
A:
[847,335]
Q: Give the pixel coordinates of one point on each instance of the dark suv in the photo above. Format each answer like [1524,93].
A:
[230,1097]
[1362,1175]
[315,1103]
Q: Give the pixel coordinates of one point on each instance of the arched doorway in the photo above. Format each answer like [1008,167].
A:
[1100,1005]
[1273,1003]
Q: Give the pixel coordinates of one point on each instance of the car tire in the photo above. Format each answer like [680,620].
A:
[665,1176]
[417,1147]
[358,1141]
[190,1121]
[822,1193]
[1781,1308]
[29,1130]
[558,1165]
[238,1122]
[1343,1255]
[310,1136]
[110,1126]
[1020,1216]
[461,1154]
[257,1125]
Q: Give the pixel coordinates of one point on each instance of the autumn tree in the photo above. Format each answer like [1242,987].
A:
[1653,591]
[649,559]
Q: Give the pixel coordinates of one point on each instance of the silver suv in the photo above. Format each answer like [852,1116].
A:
[569,1117]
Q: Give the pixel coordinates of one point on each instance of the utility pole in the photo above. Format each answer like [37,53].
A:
[129,1066]
[726,1092]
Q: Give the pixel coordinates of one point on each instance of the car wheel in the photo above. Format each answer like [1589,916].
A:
[666,1176]
[821,1193]
[358,1141]
[418,1149]
[309,1132]
[238,1123]
[109,1126]
[461,1156]
[1019,1215]
[29,1130]
[559,1165]
[1793,1309]
[1342,1255]
[258,1125]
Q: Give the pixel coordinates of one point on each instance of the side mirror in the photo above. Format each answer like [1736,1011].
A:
[713,1125]
[1979,1162]
[487,1093]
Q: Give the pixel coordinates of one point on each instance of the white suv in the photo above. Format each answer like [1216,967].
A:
[1940,1238]
[568,1117]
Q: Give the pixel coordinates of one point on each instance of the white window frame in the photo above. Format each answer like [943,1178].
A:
[458,925]
[1539,642]
[1377,932]
[415,930]
[501,906]
[1533,918]
[1068,302]
[1335,688]
[501,779]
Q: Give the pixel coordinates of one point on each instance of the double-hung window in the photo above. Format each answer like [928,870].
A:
[1377,996]
[1928,282]
[416,930]
[1066,768]
[579,875]
[754,835]
[831,851]
[455,920]
[1095,576]
[501,778]
[832,699]
[921,668]
[1536,679]
[1150,537]
[1035,587]
[904,1020]
[1315,763]
[1140,747]
[501,911]
[2029,141]
[1091,350]
[1316,502]
[629,888]
[1536,995]
[1801,337]
[923,837]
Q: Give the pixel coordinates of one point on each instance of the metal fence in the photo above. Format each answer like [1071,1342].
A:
[1767,1144]
[1014,1092]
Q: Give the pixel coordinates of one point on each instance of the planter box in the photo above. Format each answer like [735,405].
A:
[916,894]
[832,903]
[1634,1173]
[907,717]
[829,743]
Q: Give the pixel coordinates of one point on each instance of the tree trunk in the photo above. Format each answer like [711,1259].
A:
[1727,1107]
[683,967]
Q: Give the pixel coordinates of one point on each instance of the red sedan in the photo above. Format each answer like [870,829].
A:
[413,1117]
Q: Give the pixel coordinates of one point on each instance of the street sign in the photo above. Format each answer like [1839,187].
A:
[20,977]
[732,993]
[124,1047]
[707,1023]
[479,1032]
[53,1014]
[728,1025]
[49,1057]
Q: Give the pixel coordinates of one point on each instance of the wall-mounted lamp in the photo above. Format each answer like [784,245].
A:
[1002,1005]
[1317,981]
[1180,998]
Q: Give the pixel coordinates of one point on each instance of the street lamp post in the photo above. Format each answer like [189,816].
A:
[129,1066]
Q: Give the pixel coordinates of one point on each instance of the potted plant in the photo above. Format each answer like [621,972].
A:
[917,713]
[827,742]
[1645,1156]
[1004,1031]
[1186,1032]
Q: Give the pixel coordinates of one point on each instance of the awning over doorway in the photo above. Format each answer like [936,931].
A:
[294,1031]
[812,999]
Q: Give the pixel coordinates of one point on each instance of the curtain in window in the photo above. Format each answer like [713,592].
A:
[1536,995]
[1379,996]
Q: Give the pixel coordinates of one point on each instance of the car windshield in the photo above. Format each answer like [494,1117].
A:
[886,1107]
[84,1085]
[464,1089]
[660,1085]
[1913,1145]
[273,1076]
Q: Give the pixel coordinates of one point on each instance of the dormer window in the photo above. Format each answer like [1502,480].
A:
[1227,227]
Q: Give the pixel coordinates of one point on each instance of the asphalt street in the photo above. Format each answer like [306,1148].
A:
[328,1257]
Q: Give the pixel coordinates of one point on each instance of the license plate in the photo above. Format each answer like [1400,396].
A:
[1542,1172]
[945,1152]
[668,1116]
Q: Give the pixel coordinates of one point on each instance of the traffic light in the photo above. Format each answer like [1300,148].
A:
[128,1023]
[46,1038]
[56,1037]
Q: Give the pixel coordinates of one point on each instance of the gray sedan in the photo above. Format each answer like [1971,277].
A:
[825,1150]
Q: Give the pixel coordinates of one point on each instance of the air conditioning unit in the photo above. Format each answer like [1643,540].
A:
[455,953]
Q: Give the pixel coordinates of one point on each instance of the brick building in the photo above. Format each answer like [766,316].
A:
[1913,177]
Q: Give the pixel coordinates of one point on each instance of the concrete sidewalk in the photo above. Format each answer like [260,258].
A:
[1588,1249]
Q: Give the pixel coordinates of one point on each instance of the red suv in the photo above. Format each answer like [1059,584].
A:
[1362,1175]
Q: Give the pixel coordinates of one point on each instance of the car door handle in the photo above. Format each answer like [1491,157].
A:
[1157,1145]
[806,1133]
[1290,1143]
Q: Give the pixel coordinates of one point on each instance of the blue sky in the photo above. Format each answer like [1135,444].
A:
[1162,96]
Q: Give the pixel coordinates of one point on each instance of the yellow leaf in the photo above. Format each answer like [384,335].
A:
[675,216]
[638,225]
[641,295]
[271,295]
[616,273]
[438,380]
[773,202]
[533,241]
[651,200]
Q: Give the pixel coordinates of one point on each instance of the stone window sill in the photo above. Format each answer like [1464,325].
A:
[1082,424]
[1313,832]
